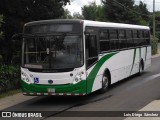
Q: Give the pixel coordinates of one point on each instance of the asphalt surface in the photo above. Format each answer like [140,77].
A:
[130,94]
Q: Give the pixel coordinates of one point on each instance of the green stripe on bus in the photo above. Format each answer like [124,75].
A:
[134,57]
[91,77]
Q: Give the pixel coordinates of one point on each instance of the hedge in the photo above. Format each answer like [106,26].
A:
[9,78]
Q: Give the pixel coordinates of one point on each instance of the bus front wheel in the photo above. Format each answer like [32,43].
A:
[105,84]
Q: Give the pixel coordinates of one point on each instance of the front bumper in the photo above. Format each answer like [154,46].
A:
[70,89]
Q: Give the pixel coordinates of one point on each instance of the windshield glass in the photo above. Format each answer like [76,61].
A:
[52,52]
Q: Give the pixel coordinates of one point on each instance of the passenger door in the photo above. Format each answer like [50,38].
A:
[91,60]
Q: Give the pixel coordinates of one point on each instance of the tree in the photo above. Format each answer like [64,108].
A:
[89,11]
[18,12]
[143,13]
[125,11]
[93,12]
[66,14]
[1,21]
[117,11]
[77,15]
[1,37]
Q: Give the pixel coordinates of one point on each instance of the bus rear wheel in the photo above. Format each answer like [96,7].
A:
[140,68]
[105,84]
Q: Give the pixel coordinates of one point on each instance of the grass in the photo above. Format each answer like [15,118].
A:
[9,93]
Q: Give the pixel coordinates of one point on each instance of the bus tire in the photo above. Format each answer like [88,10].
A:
[141,68]
[105,83]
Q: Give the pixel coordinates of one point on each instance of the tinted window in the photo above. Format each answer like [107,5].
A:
[104,41]
[135,34]
[91,50]
[114,44]
[113,34]
[140,34]
[141,38]
[129,33]
[122,34]
[92,46]
[104,46]
[130,41]
[122,39]
[147,37]
[104,35]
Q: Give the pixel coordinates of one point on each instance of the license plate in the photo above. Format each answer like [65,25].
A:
[51,90]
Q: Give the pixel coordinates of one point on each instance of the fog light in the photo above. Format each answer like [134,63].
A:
[27,80]
[77,79]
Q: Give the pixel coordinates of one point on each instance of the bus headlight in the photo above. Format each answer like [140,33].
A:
[24,77]
[77,79]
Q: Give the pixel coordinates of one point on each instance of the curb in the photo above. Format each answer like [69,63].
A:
[13,100]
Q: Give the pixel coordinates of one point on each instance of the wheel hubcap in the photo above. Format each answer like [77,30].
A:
[105,82]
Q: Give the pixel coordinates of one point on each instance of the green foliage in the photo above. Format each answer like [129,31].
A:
[1,37]
[89,11]
[93,12]
[116,12]
[157,25]
[125,11]
[154,44]
[66,14]
[120,11]
[1,21]
[77,15]
[143,17]
[9,78]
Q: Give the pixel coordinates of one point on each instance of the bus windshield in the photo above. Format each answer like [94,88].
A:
[53,52]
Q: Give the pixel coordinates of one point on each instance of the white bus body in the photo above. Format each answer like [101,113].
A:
[90,56]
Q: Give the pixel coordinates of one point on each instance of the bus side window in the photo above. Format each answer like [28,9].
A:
[122,39]
[135,37]
[104,41]
[91,50]
[130,41]
[114,42]
[141,39]
[147,37]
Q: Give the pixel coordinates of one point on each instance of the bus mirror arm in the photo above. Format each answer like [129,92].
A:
[15,36]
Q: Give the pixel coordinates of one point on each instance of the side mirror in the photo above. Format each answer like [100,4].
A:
[17,36]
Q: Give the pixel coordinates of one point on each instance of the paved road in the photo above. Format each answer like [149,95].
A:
[131,94]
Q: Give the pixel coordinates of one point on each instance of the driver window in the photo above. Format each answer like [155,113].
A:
[91,50]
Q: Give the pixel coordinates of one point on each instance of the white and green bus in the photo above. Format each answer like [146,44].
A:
[78,57]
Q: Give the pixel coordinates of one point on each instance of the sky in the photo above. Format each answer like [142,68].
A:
[76,5]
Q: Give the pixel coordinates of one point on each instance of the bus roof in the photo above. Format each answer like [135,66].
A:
[113,25]
[89,23]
